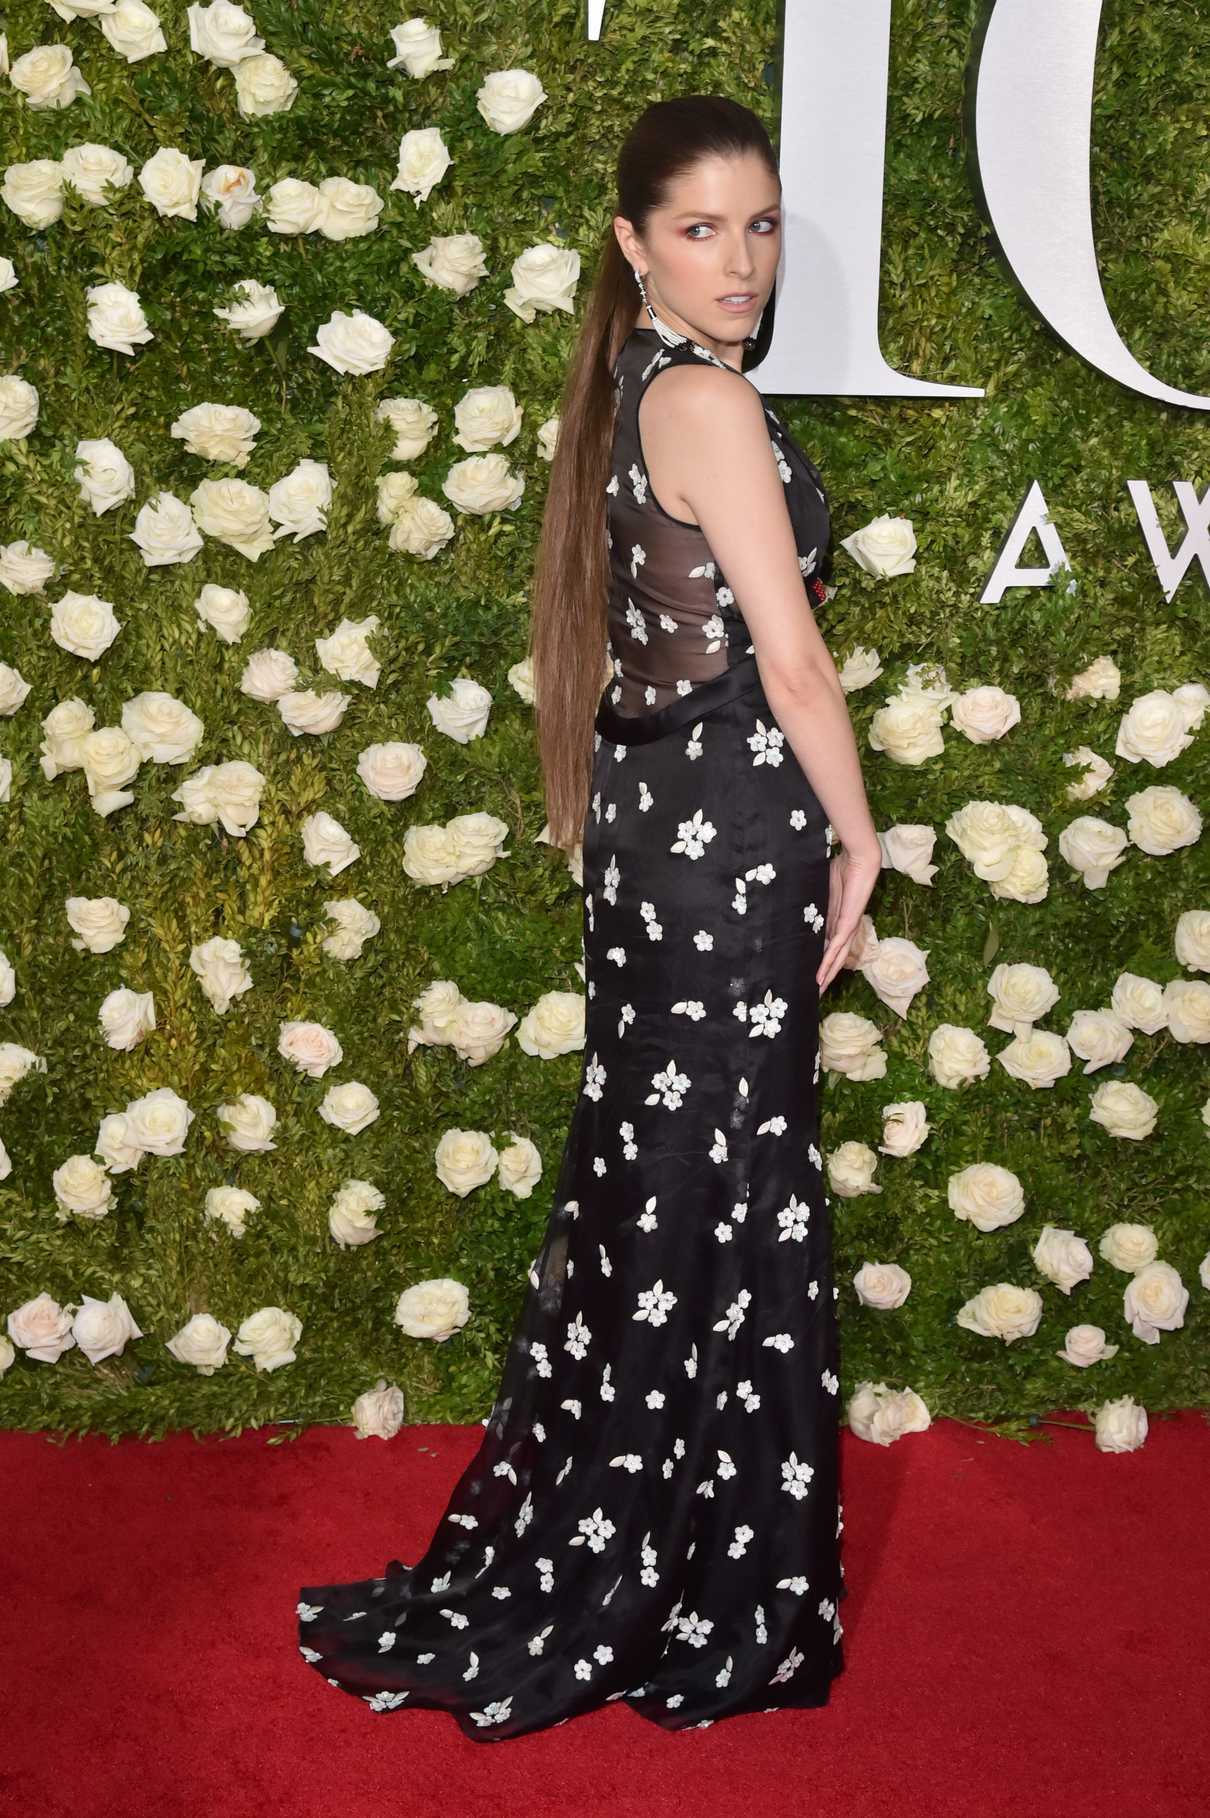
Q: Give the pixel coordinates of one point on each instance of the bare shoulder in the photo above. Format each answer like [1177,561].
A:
[703,395]
[707,421]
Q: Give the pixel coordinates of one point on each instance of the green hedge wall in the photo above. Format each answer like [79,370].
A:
[957,469]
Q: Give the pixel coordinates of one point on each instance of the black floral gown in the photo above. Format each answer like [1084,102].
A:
[653,1512]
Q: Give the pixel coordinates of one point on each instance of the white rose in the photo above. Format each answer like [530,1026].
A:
[509,98]
[352,341]
[115,1144]
[230,1206]
[326,842]
[229,793]
[24,568]
[42,1328]
[225,609]
[105,475]
[1085,1345]
[351,1214]
[1039,1057]
[8,980]
[378,1412]
[18,407]
[849,1045]
[548,438]
[15,1063]
[47,76]
[202,1341]
[1187,1009]
[860,668]
[1121,1425]
[1191,939]
[1155,1301]
[432,1309]
[235,512]
[99,922]
[1194,699]
[349,209]
[221,969]
[218,432]
[1093,848]
[347,653]
[6,779]
[1002,1311]
[310,1047]
[987,1194]
[424,159]
[267,674]
[478,841]
[223,33]
[159,1121]
[989,834]
[1123,1109]
[431,855]
[263,85]
[453,262]
[418,49]
[82,1186]
[1129,1246]
[349,1107]
[1099,1038]
[394,491]
[229,190]
[109,761]
[882,1285]
[984,713]
[1096,773]
[439,1005]
[172,182]
[486,414]
[392,771]
[851,1168]
[302,710]
[298,502]
[957,1055]
[884,1415]
[1020,995]
[484,483]
[1101,681]
[13,689]
[519,1166]
[34,191]
[269,1335]
[164,531]
[478,1030]
[133,30]
[293,206]
[355,925]
[1062,1257]
[96,172]
[897,970]
[423,528]
[907,729]
[1155,729]
[883,547]
[465,1160]
[464,714]
[161,728]
[127,1018]
[255,310]
[84,624]
[521,678]
[544,278]
[904,1128]
[555,1025]
[248,1122]
[102,1328]
[115,317]
[414,423]
[1138,1002]
[1161,819]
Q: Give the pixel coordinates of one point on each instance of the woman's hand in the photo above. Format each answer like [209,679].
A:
[851,880]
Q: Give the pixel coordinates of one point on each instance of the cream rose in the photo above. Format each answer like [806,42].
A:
[483,484]
[555,1025]
[884,1415]
[349,1107]
[1101,681]
[310,1047]
[392,771]
[109,761]
[116,1145]
[508,99]
[1099,1038]
[202,1341]
[1154,730]
[268,1337]
[13,689]
[1191,939]
[1039,1057]
[423,160]
[218,432]
[1155,1301]
[486,414]
[957,1055]
[84,624]
[544,277]
[47,76]
[378,1412]
[355,925]
[229,190]
[882,1285]
[1161,819]
[102,1328]
[848,1044]
[1121,1425]
[984,713]
[351,1214]
[159,1121]
[96,172]
[987,1195]
[907,729]
[478,841]
[293,206]
[15,1063]
[453,262]
[234,512]
[105,475]
[229,793]
[267,674]
[222,33]
[422,528]
[221,970]
[349,209]
[1002,1311]
[1123,1109]
[24,568]
[851,1167]
[115,317]
[133,30]
[255,310]
[1093,848]
[418,49]
[519,1167]
[172,182]
[1062,1257]
[302,710]
[42,1328]
[1021,994]
[353,342]
[436,1308]
[883,547]
[904,1128]
[299,501]
[896,969]
[1187,1009]
[161,728]
[463,715]
[82,1186]
[34,191]
[164,531]
[1129,1246]
[346,652]
[465,1160]
[99,922]
[430,855]
[1138,1002]
[263,85]
[439,1005]
[1096,773]
[1085,1345]
[394,492]
[127,1018]
[248,1122]
[230,1206]
[326,842]
[414,423]
[18,408]
[225,609]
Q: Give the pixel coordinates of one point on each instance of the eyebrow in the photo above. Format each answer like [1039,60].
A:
[698,214]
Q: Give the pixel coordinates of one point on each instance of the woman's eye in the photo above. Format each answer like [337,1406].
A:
[768,220]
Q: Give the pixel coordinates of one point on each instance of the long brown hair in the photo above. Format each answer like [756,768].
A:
[569,628]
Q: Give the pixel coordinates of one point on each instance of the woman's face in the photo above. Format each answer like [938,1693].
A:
[718,235]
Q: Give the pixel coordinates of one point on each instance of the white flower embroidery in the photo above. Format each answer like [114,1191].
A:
[693,835]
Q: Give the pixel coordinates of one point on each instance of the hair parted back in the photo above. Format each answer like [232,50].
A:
[569,624]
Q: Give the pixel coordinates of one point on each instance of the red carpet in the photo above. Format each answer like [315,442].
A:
[1027,1636]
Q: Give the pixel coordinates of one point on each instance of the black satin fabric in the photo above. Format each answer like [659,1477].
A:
[653,1513]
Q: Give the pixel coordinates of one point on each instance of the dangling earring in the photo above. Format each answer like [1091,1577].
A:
[668,336]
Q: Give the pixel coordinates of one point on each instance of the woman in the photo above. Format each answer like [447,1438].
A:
[653,1512]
